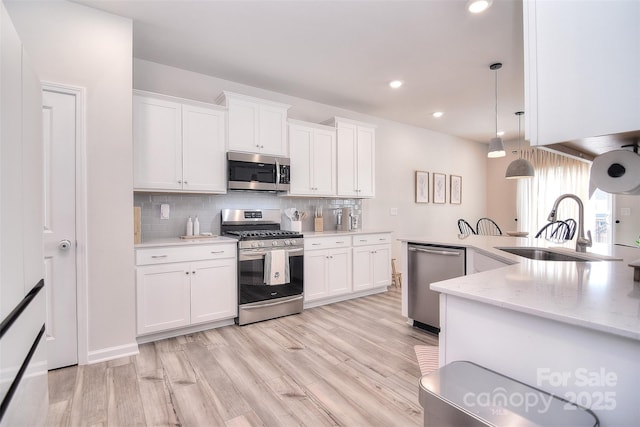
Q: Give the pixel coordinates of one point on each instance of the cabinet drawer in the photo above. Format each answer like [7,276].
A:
[312,243]
[167,254]
[372,239]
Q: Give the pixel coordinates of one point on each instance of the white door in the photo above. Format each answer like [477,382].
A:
[59,138]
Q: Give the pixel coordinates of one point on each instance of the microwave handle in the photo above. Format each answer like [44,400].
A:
[277,172]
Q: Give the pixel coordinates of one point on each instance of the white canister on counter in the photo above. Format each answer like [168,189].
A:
[189,227]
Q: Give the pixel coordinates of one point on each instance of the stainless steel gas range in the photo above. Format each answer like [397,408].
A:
[270,264]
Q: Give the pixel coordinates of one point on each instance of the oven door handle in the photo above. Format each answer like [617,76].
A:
[263,253]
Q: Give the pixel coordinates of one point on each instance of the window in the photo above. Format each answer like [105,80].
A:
[557,174]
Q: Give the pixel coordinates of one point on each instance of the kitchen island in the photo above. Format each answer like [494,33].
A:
[569,328]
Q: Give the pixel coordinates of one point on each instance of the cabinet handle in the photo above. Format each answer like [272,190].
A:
[316,244]
[340,242]
[159,256]
[217,252]
[383,239]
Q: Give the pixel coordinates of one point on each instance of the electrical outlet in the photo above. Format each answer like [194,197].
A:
[393,211]
[164,211]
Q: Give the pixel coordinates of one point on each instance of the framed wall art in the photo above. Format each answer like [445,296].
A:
[422,187]
[439,188]
[455,188]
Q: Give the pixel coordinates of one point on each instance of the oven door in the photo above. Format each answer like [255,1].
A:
[251,286]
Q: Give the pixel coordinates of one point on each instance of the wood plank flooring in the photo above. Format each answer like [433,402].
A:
[345,364]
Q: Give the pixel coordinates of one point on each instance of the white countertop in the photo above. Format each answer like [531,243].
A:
[176,241]
[341,233]
[599,295]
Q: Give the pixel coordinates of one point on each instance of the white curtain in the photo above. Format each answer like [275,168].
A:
[555,175]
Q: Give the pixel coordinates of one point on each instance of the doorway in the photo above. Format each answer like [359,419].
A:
[63,236]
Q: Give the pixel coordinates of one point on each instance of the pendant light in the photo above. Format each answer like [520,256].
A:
[519,168]
[496,148]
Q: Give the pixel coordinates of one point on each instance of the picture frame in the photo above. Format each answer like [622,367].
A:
[455,189]
[439,188]
[422,187]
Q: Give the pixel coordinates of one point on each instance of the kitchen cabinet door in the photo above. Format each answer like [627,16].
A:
[381,266]
[362,268]
[243,126]
[365,152]
[213,290]
[582,63]
[313,158]
[157,148]
[324,162]
[339,272]
[203,148]
[371,267]
[256,125]
[315,275]
[301,153]
[273,130]
[347,160]
[163,299]
[356,159]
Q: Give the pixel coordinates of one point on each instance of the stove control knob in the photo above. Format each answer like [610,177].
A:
[254,244]
[287,242]
[261,244]
[292,242]
[274,243]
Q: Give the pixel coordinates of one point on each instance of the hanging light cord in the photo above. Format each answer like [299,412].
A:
[496,86]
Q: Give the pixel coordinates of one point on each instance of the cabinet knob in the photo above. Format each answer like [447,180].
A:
[186,182]
[193,272]
[186,272]
[179,181]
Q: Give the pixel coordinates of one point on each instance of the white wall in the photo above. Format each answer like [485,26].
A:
[400,151]
[80,46]
[501,192]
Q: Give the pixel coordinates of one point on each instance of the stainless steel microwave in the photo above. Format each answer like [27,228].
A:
[257,172]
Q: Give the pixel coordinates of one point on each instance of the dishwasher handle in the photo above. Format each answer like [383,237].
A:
[435,252]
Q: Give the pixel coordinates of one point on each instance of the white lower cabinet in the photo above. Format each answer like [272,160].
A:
[371,261]
[327,273]
[172,293]
[345,266]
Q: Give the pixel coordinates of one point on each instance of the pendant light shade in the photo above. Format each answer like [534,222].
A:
[496,148]
[519,168]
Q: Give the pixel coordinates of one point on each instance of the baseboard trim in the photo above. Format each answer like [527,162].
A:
[142,339]
[346,297]
[111,353]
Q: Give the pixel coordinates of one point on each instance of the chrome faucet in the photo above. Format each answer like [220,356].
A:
[582,242]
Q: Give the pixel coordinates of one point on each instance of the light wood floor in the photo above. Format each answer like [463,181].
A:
[346,364]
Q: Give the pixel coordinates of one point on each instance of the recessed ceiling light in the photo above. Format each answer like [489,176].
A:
[438,114]
[395,84]
[477,6]
[500,133]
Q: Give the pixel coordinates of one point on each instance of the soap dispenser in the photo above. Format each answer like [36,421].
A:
[196,227]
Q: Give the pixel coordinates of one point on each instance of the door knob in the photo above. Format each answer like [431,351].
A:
[64,244]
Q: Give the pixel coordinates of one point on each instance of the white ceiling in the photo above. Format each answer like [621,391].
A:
[344,53]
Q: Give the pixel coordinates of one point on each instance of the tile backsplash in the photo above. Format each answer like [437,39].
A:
[208,206]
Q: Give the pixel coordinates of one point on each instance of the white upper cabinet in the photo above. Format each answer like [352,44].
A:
[312,149]
[179,145]
[256,125]
[582,62]
[356,149]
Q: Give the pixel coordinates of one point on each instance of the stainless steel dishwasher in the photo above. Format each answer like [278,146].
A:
[428,264]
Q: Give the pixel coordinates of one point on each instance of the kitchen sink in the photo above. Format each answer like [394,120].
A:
[546,254]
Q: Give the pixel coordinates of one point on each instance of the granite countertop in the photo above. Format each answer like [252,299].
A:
[599,295]
[176,241]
